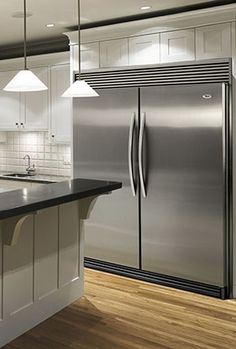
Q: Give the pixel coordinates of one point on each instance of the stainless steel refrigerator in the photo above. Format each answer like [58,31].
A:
[167,144]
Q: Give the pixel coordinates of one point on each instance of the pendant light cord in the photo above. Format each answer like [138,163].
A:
[79,39]
[25,58]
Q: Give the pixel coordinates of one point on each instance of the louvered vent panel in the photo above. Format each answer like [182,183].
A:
[194,73]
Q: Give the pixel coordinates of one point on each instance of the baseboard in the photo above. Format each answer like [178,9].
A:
[160,279]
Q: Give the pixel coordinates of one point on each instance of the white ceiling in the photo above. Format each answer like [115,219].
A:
[63,13]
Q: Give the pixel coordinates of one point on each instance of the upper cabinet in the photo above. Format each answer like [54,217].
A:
[114,53]
[177,46]
[10,104]
[35,105]
[213,41]
[144,49]
[21,111]
[61,108]
[89,56]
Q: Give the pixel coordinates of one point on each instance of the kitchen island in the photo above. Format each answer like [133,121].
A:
[41,250]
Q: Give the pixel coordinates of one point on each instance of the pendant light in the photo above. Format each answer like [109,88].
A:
[25,80]
[80,88]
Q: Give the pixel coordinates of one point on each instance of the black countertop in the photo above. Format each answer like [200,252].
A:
[21,201]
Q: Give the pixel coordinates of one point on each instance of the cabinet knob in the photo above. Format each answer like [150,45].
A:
[22,125]
[17,124]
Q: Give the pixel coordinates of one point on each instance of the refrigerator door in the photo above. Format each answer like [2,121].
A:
[105,138]
[182,221]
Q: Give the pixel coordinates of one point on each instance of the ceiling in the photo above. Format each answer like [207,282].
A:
[63,13]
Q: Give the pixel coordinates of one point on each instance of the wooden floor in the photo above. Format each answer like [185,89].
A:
[119,313]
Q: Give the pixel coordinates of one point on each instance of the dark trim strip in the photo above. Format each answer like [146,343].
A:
[35,48]
[154,14]
[164,280]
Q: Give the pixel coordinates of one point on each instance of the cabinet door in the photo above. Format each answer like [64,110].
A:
[177,46]
[114,53]
[35,105]
[61,108]
[10,104]
[89,56]
[213,41]
[144,49]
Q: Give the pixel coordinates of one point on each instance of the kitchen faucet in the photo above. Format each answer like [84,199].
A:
[30,169]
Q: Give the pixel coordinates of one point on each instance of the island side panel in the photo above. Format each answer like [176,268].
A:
[46,252]
[1,277]
[68,243]
[18,271]
[43,271]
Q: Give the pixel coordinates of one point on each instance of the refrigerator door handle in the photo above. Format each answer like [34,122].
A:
[130,154]
[140,154]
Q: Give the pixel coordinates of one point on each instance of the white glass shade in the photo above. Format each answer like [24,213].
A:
[80,88]
[25,81]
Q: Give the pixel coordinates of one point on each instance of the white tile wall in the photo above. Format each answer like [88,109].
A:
[49,159]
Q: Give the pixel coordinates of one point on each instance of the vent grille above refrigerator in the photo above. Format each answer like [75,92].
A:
[175,74]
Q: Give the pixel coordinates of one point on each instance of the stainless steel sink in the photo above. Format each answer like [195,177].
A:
[19,175]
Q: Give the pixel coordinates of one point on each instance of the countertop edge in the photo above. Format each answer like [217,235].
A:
[60,199]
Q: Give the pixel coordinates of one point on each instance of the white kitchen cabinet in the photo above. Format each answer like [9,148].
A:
[178,46]
[144,49]
[9,104]
[23,110]
[89,56]
[114,53]
[35,105]
[213,41]
[61,108]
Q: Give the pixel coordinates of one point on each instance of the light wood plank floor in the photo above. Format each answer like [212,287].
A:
[119,313]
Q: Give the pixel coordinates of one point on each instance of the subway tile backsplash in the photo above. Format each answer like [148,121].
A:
[49,159]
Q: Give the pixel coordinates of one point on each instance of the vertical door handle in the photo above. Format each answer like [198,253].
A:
[140,154]
[130,154]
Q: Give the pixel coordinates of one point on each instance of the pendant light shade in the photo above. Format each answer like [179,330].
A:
[25,80]
[80,88]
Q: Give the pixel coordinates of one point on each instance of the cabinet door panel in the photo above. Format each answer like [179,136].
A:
[61,108]
[144,49]
[10,103]
[1,277]
[35,104]
[213,41]
[18,270]
[114,53]
[68,243]
[46,252]
[89,56]
[177,46]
